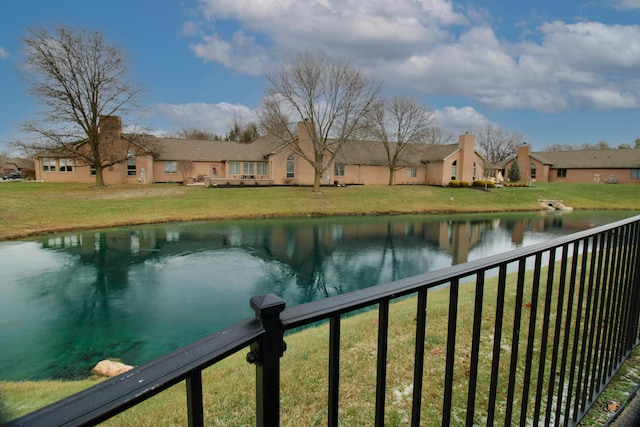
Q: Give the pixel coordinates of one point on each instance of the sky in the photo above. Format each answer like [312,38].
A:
[559,72]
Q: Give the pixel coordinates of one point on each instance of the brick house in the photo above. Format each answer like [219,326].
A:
[265,161]
[618,165]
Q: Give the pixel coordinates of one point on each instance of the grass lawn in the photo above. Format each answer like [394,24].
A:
[31,208]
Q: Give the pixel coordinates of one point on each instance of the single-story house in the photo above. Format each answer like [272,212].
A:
[264,161]
[617,165]
[25,166]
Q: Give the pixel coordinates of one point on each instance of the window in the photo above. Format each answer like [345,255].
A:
[263,168]
[66,165]
[248,168]
[290,166]
[49,165]
[533,171]
[338,169]
[131,164]
[635,173]
[454,169]
[412,172]
[170,166]
[562,173]
[234,168]
[92,169]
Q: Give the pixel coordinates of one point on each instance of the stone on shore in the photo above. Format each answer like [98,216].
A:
[111,368]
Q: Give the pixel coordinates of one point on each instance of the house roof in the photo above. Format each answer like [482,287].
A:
[213,151]
[19,163]
[619,158]
[352,152]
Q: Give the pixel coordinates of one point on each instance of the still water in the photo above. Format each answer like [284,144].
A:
[70,300]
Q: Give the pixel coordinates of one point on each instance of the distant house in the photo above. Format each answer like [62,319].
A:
[265,161]
[597,166]
[25,166]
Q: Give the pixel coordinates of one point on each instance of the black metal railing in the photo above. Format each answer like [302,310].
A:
[549,326]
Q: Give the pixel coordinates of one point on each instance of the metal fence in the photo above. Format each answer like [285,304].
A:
[530,337]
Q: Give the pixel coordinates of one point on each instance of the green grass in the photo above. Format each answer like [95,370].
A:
[31,208]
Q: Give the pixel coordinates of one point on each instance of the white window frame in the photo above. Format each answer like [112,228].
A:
[235,168]
[170,166]
[262,168]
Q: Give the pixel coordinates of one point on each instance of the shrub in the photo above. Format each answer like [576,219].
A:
[454,183]
[464,184]
[482,183]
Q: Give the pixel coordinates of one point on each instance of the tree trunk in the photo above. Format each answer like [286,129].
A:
[99,177]
[317,175]
[392,175]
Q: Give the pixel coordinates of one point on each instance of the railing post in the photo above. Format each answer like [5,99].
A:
[266,354]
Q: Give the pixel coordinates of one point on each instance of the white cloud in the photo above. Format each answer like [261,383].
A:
[434,47]
[3,53]
[627,4]
[241,53]
[461,120]
[216,118]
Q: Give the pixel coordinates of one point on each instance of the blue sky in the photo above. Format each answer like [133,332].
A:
[556,71]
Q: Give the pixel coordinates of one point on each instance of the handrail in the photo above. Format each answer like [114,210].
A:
[104,400]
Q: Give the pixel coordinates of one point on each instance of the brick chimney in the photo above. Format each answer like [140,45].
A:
[304,131]
[467,155]
[524,161]
[110,127]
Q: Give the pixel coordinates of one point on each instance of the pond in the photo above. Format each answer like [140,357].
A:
[72,299]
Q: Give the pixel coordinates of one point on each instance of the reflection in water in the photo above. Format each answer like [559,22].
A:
[137,293]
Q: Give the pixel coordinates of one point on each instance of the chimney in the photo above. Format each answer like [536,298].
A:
[304,130]
[110,127]
[467,155]
[524,161]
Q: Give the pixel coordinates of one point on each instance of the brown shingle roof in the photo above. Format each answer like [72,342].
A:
[622,158]
[352,152]
[373,153]
[213,151]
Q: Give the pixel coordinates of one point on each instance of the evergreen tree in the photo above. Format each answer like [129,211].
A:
[514,172]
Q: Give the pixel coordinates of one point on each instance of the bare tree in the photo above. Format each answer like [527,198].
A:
[496,144]
[78,78]
[437,135]
[333,97]
[398,122]
[559,147]
[193,133]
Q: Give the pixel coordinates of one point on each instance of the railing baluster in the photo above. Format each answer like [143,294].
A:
[556,338]
[544,335]
[195,408]
[600,334]
[533,311]
[497,341]
[451,349]
[334,370]
[515,340]
[418,364]
[475,348]
[381,377]
[568,332]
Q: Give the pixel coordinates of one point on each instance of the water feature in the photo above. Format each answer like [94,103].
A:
[71,299]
